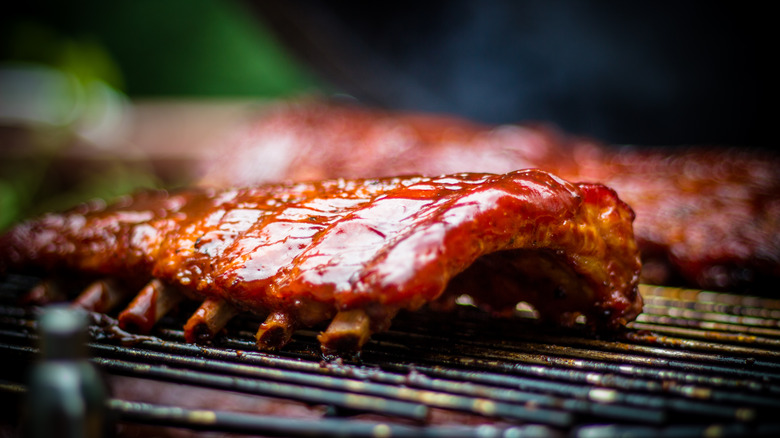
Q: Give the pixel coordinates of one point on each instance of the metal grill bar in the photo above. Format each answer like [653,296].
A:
[597,358]
[482,399]
[737,338]
[382,403]
[587,391]
[475,334]
[711,313]
[714,430]
[706,298]
[406,377]
[631,384]
[273,426]
[762,335]
[257,386]
[694,363]
[215,420]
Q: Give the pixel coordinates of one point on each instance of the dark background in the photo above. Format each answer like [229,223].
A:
[647,72]
[640,72]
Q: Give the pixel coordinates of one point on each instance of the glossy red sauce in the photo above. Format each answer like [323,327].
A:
[381,243]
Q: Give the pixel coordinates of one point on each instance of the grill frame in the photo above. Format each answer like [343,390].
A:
[695,363]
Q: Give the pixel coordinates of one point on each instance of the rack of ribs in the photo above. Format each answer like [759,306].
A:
[707,217]
[346,253]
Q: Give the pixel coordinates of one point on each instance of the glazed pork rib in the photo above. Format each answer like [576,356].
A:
[352,252]
[707,217]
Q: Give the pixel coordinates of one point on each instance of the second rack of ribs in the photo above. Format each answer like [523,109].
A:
[352,252]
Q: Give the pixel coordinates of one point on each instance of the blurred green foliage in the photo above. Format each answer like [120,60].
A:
[142,49]
[157,47]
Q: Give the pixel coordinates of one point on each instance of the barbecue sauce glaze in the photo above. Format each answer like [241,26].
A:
[311,251]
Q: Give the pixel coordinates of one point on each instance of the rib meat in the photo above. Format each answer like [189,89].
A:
[707,217]
[352,252]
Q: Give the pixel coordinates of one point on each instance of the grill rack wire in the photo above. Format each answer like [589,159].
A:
[694,363]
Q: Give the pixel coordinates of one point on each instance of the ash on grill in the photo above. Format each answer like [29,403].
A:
[695,363]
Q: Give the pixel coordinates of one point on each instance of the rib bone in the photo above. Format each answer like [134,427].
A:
[276,331]
[46,292]
[100,296]
[151,304]
[210,318]
[348,331]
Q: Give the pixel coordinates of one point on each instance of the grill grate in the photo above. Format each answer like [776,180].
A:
[694,363]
